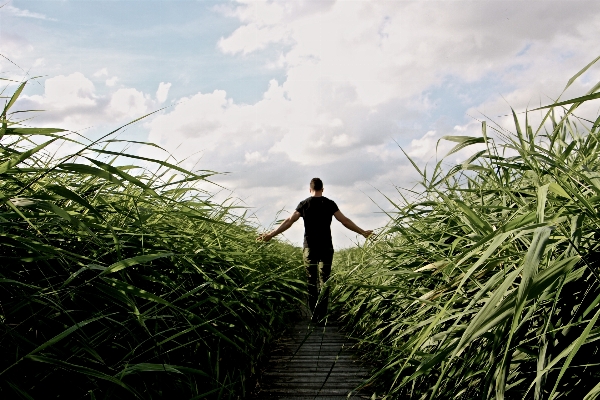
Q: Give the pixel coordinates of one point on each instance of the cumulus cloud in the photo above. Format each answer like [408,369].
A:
[63,92]
[72,102]
[249,38]
[128,103]
[360,75]
[349,62]
[101,72]
[424,147]
[111,81]
[162,92]
[254,158]
[303,130]
[386,50]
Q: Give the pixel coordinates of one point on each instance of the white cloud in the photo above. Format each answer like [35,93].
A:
[424,147]
[387,50]
[128,102]
[432,147]
[15,47]
[101,72]
[348,62]
[301,129]
[361,73]
[162,92]
[69,91]
[71,102]
[249,38]
[111,81]
[342,140]
[17,12]
[254,158]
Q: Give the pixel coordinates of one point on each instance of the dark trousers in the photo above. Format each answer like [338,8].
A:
[318,268]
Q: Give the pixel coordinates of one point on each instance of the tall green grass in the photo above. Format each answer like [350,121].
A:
[487,284]
[122,282]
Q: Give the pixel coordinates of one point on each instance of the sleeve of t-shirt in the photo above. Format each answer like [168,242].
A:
[334,207]
[300,208]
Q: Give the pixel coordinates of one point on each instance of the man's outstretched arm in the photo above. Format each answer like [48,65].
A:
[351,225]
[285,225]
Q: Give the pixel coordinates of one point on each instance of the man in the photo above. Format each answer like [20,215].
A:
[317,212]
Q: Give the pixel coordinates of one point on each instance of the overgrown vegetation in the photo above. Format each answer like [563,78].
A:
[118,281]
[488,282]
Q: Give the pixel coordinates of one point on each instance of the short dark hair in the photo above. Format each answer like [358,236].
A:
[316,184]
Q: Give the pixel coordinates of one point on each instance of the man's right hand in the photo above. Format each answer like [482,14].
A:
[265,237]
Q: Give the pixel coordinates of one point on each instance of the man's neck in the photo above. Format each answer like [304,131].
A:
[317,194]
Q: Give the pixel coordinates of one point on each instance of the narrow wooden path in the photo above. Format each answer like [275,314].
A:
[313,362]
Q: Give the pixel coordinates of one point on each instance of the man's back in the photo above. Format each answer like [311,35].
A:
[318,247]
[317,212]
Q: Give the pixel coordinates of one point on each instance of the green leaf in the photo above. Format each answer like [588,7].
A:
[54,340]
[575,348]
[82,370]
[79,271]
[22,156]
[463,141]
[124,175]
[64,334]
[14,97]
[557,189]
[163,163]
[70,195]
[34,131]
[529,270]
[126,288]
[542,194]
[594,393]
[134,261]
[572,101]
[89,170]
[149,367]
[474,218]
[581,72]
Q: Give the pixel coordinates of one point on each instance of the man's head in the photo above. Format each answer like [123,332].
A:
[316,185]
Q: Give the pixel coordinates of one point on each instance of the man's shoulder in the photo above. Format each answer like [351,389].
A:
[327,199]
[321,200]
[303,202]
[306,200]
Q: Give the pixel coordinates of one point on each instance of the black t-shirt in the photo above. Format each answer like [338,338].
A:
[317,213]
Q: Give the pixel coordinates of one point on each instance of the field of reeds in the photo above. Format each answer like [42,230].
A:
[120,278]
[487,282]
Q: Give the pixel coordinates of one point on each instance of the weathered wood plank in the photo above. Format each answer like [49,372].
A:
[319,397]
[301,392]
[316,363]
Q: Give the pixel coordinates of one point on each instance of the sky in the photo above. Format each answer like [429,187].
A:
[274,93]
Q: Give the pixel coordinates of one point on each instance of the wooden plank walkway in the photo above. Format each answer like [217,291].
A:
[313,362]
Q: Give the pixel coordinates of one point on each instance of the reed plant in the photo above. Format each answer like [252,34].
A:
[487,282]
[120,278]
